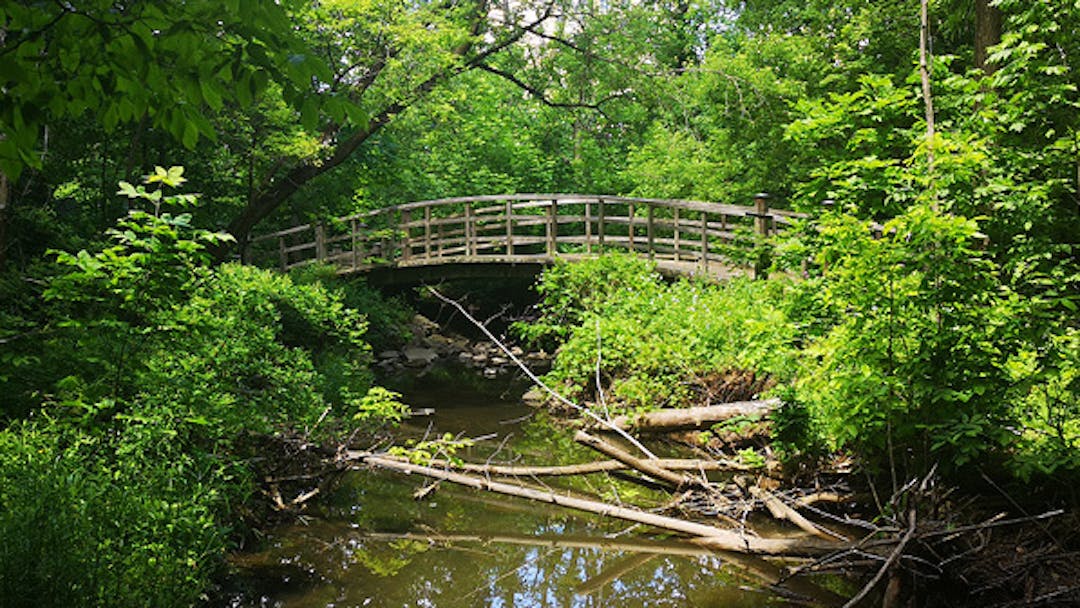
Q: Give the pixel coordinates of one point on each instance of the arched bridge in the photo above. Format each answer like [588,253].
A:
[528,230]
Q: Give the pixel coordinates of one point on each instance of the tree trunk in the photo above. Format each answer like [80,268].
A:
[987,33]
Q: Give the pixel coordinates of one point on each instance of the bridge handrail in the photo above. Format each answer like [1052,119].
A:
[495,231]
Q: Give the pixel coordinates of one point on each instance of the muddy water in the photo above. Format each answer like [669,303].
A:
[374,544]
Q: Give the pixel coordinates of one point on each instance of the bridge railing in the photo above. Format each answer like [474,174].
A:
[523,228]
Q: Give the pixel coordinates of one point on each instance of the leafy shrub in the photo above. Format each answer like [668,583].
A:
[388,317]
[913,370]
[154,371]
[84,526]
[656,344]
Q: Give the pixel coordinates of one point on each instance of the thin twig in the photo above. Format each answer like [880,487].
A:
[528,372]
[893,557]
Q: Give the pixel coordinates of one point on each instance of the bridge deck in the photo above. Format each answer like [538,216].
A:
[682,237]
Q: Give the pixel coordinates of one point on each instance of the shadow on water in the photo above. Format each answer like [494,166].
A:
[373,544]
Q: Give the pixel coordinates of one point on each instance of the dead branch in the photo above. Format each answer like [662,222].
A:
[602,466]
[717,538]
[693,418]
[889,562]
[780,510]
[647,467]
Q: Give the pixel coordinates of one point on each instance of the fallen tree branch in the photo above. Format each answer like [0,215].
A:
[717,538]
[889,562]
[781,510]
[693,418]
[648,467]
[585,468]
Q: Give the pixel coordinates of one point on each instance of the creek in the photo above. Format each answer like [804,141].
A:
[372,543]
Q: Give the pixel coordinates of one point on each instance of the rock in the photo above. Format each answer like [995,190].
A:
[490,372]
[479,358]
[499,361]
[416,356]
[389,354]
[465,357]
[534,397]
[516,351]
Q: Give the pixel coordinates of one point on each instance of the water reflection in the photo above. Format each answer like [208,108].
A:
[374,545]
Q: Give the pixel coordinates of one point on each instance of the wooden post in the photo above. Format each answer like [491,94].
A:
[283,254]
[588,227]
[427,232]
[676,219]
[704,241]
[469,245]
[509,228]
[761,210]
[630,225]
[600,225]
[649,232]
[552,228]
[320,242]
[406,239]
[761,226]
[439,239]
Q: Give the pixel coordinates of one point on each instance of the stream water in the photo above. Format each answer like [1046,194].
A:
[373,544]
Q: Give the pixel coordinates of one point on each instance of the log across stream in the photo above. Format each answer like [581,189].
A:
[374,543]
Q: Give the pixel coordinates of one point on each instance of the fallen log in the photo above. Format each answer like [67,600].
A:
[585,468]
[780,510]
[718,538]
[693,418]
[648,467]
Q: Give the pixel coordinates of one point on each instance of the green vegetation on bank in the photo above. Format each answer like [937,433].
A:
[138,403]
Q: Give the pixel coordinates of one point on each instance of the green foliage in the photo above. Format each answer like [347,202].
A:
[570,292]
[152,374]
[381,405]
[85,523]
[654,344]
[425,451]
[915,363]
[388,317]
[139,62]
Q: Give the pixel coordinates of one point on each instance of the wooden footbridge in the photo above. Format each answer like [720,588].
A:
[455,236]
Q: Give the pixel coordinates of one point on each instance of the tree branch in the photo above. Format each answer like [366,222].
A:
[542,97]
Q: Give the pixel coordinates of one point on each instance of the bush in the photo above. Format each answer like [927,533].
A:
[658,344]
[913,371]
[85,526]
[152,373]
